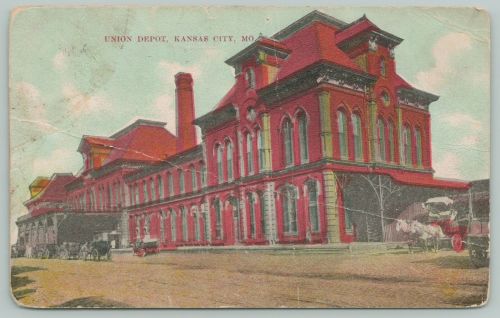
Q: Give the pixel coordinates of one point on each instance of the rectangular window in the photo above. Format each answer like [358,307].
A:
[206,229]
[203,170]
[218,220]
[418,141]
[342,126]
[173,225]
[304,148]
[251,206]
[391,143]
[196,226]
[260,149]
[313,207]
[153,190]
[184,224]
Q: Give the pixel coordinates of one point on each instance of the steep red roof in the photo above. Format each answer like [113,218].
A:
[54,190]
[400,82]
[312,44]
[97,140]
[143,143]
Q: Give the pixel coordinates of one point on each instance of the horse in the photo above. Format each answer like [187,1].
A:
[426,232]
[405,227]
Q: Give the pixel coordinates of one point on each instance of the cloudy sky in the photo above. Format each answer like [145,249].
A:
[66,81]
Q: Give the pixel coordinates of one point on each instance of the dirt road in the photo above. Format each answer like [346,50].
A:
[395,279]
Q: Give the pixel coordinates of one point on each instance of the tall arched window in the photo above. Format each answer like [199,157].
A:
[194,179]
[251,210]
[218,219]
[303,142]
[182,181]
[287,131]
[219,155]
[260,148]
[381,140]
[229,161]
[250,78]
[161,191]
[263,215]
[249,149]
[391,142]
[383,67]
[418,146]
[289,210]
[162,226]
[407,146]
[144,191]
[153,189]
[170,179]
[173,225]
[203,172]
[342,134]
[184,224]
[312,193]
[196,224]
[358,137]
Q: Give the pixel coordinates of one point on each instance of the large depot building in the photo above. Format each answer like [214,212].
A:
[291,154]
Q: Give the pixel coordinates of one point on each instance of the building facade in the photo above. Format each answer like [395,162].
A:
[314,110]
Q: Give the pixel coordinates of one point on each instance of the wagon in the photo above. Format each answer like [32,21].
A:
[454,225]
[143,248]
[69,250]
[45,251]
[100,249]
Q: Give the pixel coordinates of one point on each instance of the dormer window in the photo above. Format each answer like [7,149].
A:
[250,78]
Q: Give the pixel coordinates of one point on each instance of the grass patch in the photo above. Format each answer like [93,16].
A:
[453,262]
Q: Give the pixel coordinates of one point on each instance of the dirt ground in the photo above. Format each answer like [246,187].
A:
[382,279]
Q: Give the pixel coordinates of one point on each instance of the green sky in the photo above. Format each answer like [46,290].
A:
[65,81]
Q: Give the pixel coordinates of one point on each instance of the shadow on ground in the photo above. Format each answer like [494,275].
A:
[91,302]
[467,301]
[20,281]
[453,262]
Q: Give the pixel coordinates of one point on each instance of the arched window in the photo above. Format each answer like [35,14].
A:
[147,225]
[391,142]
[358,137]
[342,135]
[407,154]
[418,146]
[182,182]
[203,172]
[312,193]
[249,151]
[381,140]
[260,148]
[383,67]
[194,179]
[251,210]
[162,226]
[218,219]
[161,191]
[289,210]
[206,228]
[196,224]
[229,161]
[170,179]
[145,191]
[184,224]
[153,189]
[287,131]
[250,78]
[263,215]
[303,142]
[173,225]
[219,154]
[137,196]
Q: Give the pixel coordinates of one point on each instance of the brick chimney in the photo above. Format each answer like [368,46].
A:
[186,132]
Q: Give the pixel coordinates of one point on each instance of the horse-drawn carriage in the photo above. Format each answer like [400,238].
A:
[69,250]
[146,246]
[453,224]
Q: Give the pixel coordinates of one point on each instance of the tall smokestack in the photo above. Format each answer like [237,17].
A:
[186,132]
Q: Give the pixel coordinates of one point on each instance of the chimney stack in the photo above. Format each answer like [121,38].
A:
[186,132]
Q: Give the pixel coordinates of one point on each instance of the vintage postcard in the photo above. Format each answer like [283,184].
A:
[214,157]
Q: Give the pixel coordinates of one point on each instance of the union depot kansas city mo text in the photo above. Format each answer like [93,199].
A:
[292,154]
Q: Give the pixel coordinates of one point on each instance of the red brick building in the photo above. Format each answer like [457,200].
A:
[315,110]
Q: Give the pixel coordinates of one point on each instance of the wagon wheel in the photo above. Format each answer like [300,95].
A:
[456,243]
[95,254]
